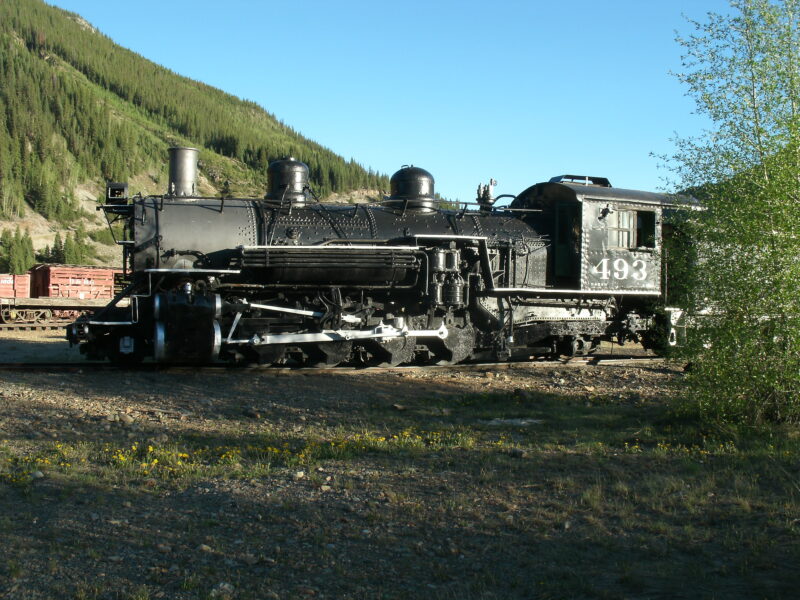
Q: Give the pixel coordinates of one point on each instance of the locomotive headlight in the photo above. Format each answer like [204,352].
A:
[116,193]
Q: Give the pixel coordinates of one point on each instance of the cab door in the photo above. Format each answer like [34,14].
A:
[566,245]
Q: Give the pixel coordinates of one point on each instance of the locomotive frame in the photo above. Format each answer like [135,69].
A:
[567,264]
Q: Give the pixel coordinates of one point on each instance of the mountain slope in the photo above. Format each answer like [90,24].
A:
[77,108]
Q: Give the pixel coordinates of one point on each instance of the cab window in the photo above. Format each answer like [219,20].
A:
[632,229]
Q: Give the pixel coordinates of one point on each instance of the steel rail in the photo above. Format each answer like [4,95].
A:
[97,366]
[34,326]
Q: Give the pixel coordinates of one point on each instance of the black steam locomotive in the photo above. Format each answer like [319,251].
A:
[568,263]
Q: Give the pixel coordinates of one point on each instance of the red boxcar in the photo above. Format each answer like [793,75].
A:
[71,281]
[15,286]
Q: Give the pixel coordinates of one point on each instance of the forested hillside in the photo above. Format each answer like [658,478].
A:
[77,108]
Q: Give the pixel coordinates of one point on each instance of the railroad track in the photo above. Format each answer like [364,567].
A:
[33,326]
[88,366]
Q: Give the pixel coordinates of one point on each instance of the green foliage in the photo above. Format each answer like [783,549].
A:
[16,252]
[105,236]
[54,254]
[75,106]
[77,250]
[58,250]
[744,73]
[74,250]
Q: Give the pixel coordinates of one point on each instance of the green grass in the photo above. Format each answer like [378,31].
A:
[625,432]
[103,235]
[604,498]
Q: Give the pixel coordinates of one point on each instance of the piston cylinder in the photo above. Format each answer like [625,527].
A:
[454,291]
[186,327]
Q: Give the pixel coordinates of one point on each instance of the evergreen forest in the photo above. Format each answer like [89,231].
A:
[76,108]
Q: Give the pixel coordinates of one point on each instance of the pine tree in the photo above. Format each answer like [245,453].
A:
[26,249]
[6,244]
[19,258]
[70,252]
[57,254]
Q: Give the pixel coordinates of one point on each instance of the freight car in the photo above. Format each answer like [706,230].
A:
[50,293]
[566,264]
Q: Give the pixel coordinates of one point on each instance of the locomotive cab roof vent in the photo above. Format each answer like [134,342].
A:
[412,189]
[182,171]
[288,181]
[581,180]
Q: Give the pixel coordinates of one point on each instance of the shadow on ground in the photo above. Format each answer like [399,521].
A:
[561,508]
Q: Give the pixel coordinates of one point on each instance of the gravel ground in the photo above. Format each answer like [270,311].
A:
[37,346]
[429,519]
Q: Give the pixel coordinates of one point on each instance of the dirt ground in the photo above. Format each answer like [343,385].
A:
[528,482]
[37,346]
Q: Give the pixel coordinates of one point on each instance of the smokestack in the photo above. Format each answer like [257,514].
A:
[182,171]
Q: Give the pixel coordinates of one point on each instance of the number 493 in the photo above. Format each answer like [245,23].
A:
[620,268]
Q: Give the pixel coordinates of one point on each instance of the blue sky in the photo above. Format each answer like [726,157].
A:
[519,91]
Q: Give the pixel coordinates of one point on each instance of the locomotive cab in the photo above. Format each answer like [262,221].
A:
[602,238]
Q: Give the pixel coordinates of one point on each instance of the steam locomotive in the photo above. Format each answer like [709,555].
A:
[567,264]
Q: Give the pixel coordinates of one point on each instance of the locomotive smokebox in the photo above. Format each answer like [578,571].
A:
[412,188]
[288,181]
[182,171]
